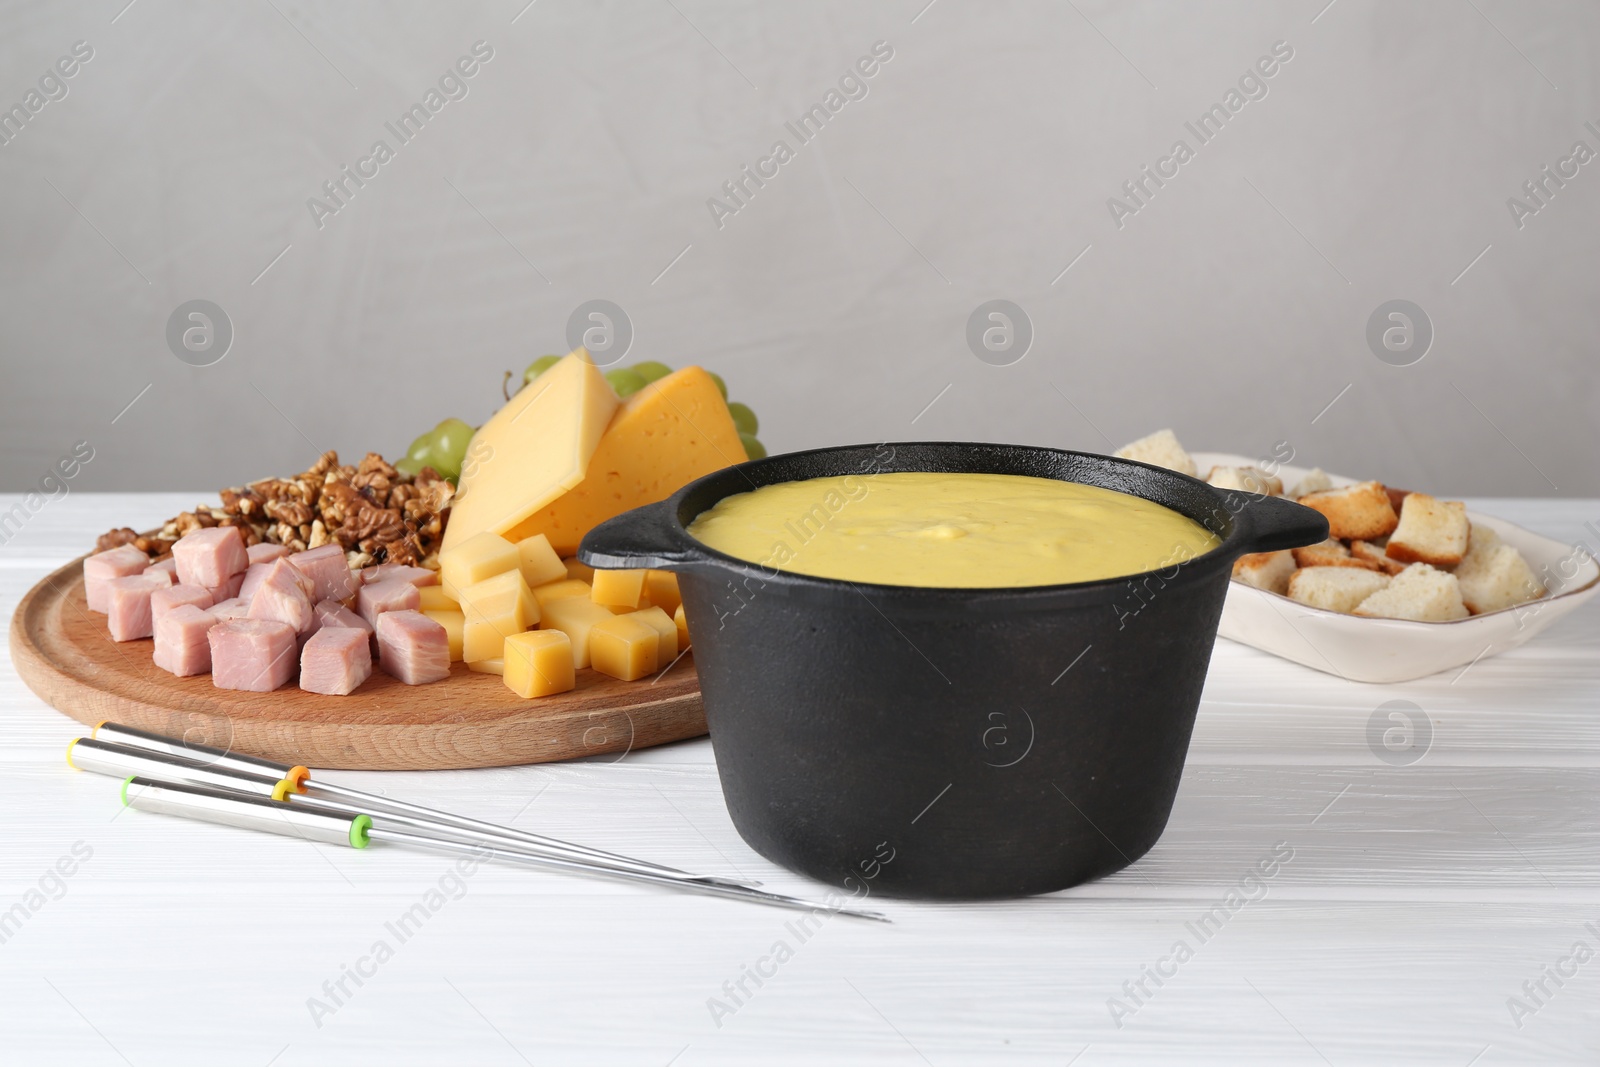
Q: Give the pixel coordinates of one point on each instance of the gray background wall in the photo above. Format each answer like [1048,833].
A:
[1232,307]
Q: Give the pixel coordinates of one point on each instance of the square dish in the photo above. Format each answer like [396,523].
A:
[1396,650]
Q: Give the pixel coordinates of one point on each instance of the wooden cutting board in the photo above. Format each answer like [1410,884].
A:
[62,651]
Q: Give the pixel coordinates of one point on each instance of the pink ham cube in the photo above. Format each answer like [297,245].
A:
[128,605]
[412,647]
[182,645]
[257,571]
[124,561]
[335,661]
[331,577]
[230,588]
[393,595]
[164,600]
[256,655]
[168,564]
[282,598]
[237,608]
[388,572]
[265,552]
[210,557]
[333,613]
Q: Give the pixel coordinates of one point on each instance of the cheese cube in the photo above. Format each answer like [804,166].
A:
[575,616]
[681,621]
[454,623]
[488,666]
[661,590]
[618,589]
[539,663]
[568,587]
[538,561]
[578,569]
[474,559]
[494,609]
[434,598]
[666,633]
[624,647]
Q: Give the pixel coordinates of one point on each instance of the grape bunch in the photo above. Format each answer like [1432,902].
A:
[625,381]
[443,448]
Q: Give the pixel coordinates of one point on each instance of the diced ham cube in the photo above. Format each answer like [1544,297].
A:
[237,608]
[393,595]
[182,644]
[164,600]
[265,552]
[257,571]
[335,661]
[124,561]
[230,588]
[281,597]
[210,556]
[388,572]
[333,613]
[412,647]
[168,564]
[331,577]
[128,605]
[256,655]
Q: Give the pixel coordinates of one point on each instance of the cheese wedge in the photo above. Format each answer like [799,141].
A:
[665,436]
[532,450]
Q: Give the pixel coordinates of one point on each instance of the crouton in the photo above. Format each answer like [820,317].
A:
[1397,497]
[1430,531]
[1249,479]
[1373,553]
[1160,448]
[1329,553]
[1265,570]
[1315,481]
[1420,593]
[1493,575]
[1359,511]
[1335,588]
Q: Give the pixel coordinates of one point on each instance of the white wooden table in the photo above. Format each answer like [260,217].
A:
[1418,900]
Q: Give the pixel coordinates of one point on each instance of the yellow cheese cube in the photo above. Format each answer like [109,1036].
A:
[666,631]
[495,608]
[567,587]
[488,666]
[624,647]
[618,589]
[576,616]
[578,569]
[532,450]
[435,598]
[539,663]
[454,624]
[661,590]
[663,437]
[474,559]
[681,621]
[538,561]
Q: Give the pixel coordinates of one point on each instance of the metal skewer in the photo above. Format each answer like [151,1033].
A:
[300,781]
[356,831]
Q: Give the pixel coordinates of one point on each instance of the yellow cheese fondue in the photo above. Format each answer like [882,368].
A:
[965,531]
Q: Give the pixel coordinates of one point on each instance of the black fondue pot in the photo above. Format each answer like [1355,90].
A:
[950,743]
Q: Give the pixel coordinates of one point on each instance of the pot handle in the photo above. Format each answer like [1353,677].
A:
[648,536]
[1273,522]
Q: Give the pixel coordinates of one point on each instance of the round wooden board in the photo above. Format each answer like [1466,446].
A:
[62,651]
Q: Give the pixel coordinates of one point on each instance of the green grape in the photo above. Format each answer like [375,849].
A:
[722,386]
[450,440]
[625,381]
[753,448]
[650,370]
[744,418]
[538,367]
[424,447]
[410,466]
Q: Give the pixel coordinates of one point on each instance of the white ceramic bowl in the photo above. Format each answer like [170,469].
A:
[1395,650]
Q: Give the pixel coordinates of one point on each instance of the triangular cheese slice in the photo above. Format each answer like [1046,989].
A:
[665,436]
[532,450]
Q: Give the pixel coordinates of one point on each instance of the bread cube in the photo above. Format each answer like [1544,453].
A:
[1355,511]
[1246,479]
[576,616]
[124,561]
[624,647]
[335,661]
[1314,481]
[182,645]
[1329,553]
[254,655]
[208,557]
[538,561]
[1161,449]
[1265,570]
[1419,593]
[618,588]
[539,663]
[1371,553]
[1335,588]
[1430,531]
[412,647]
[1493,575]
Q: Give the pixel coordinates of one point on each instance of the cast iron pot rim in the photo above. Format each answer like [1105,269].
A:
[695,552]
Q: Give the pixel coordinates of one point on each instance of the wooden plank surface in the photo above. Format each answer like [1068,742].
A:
[1418,899]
